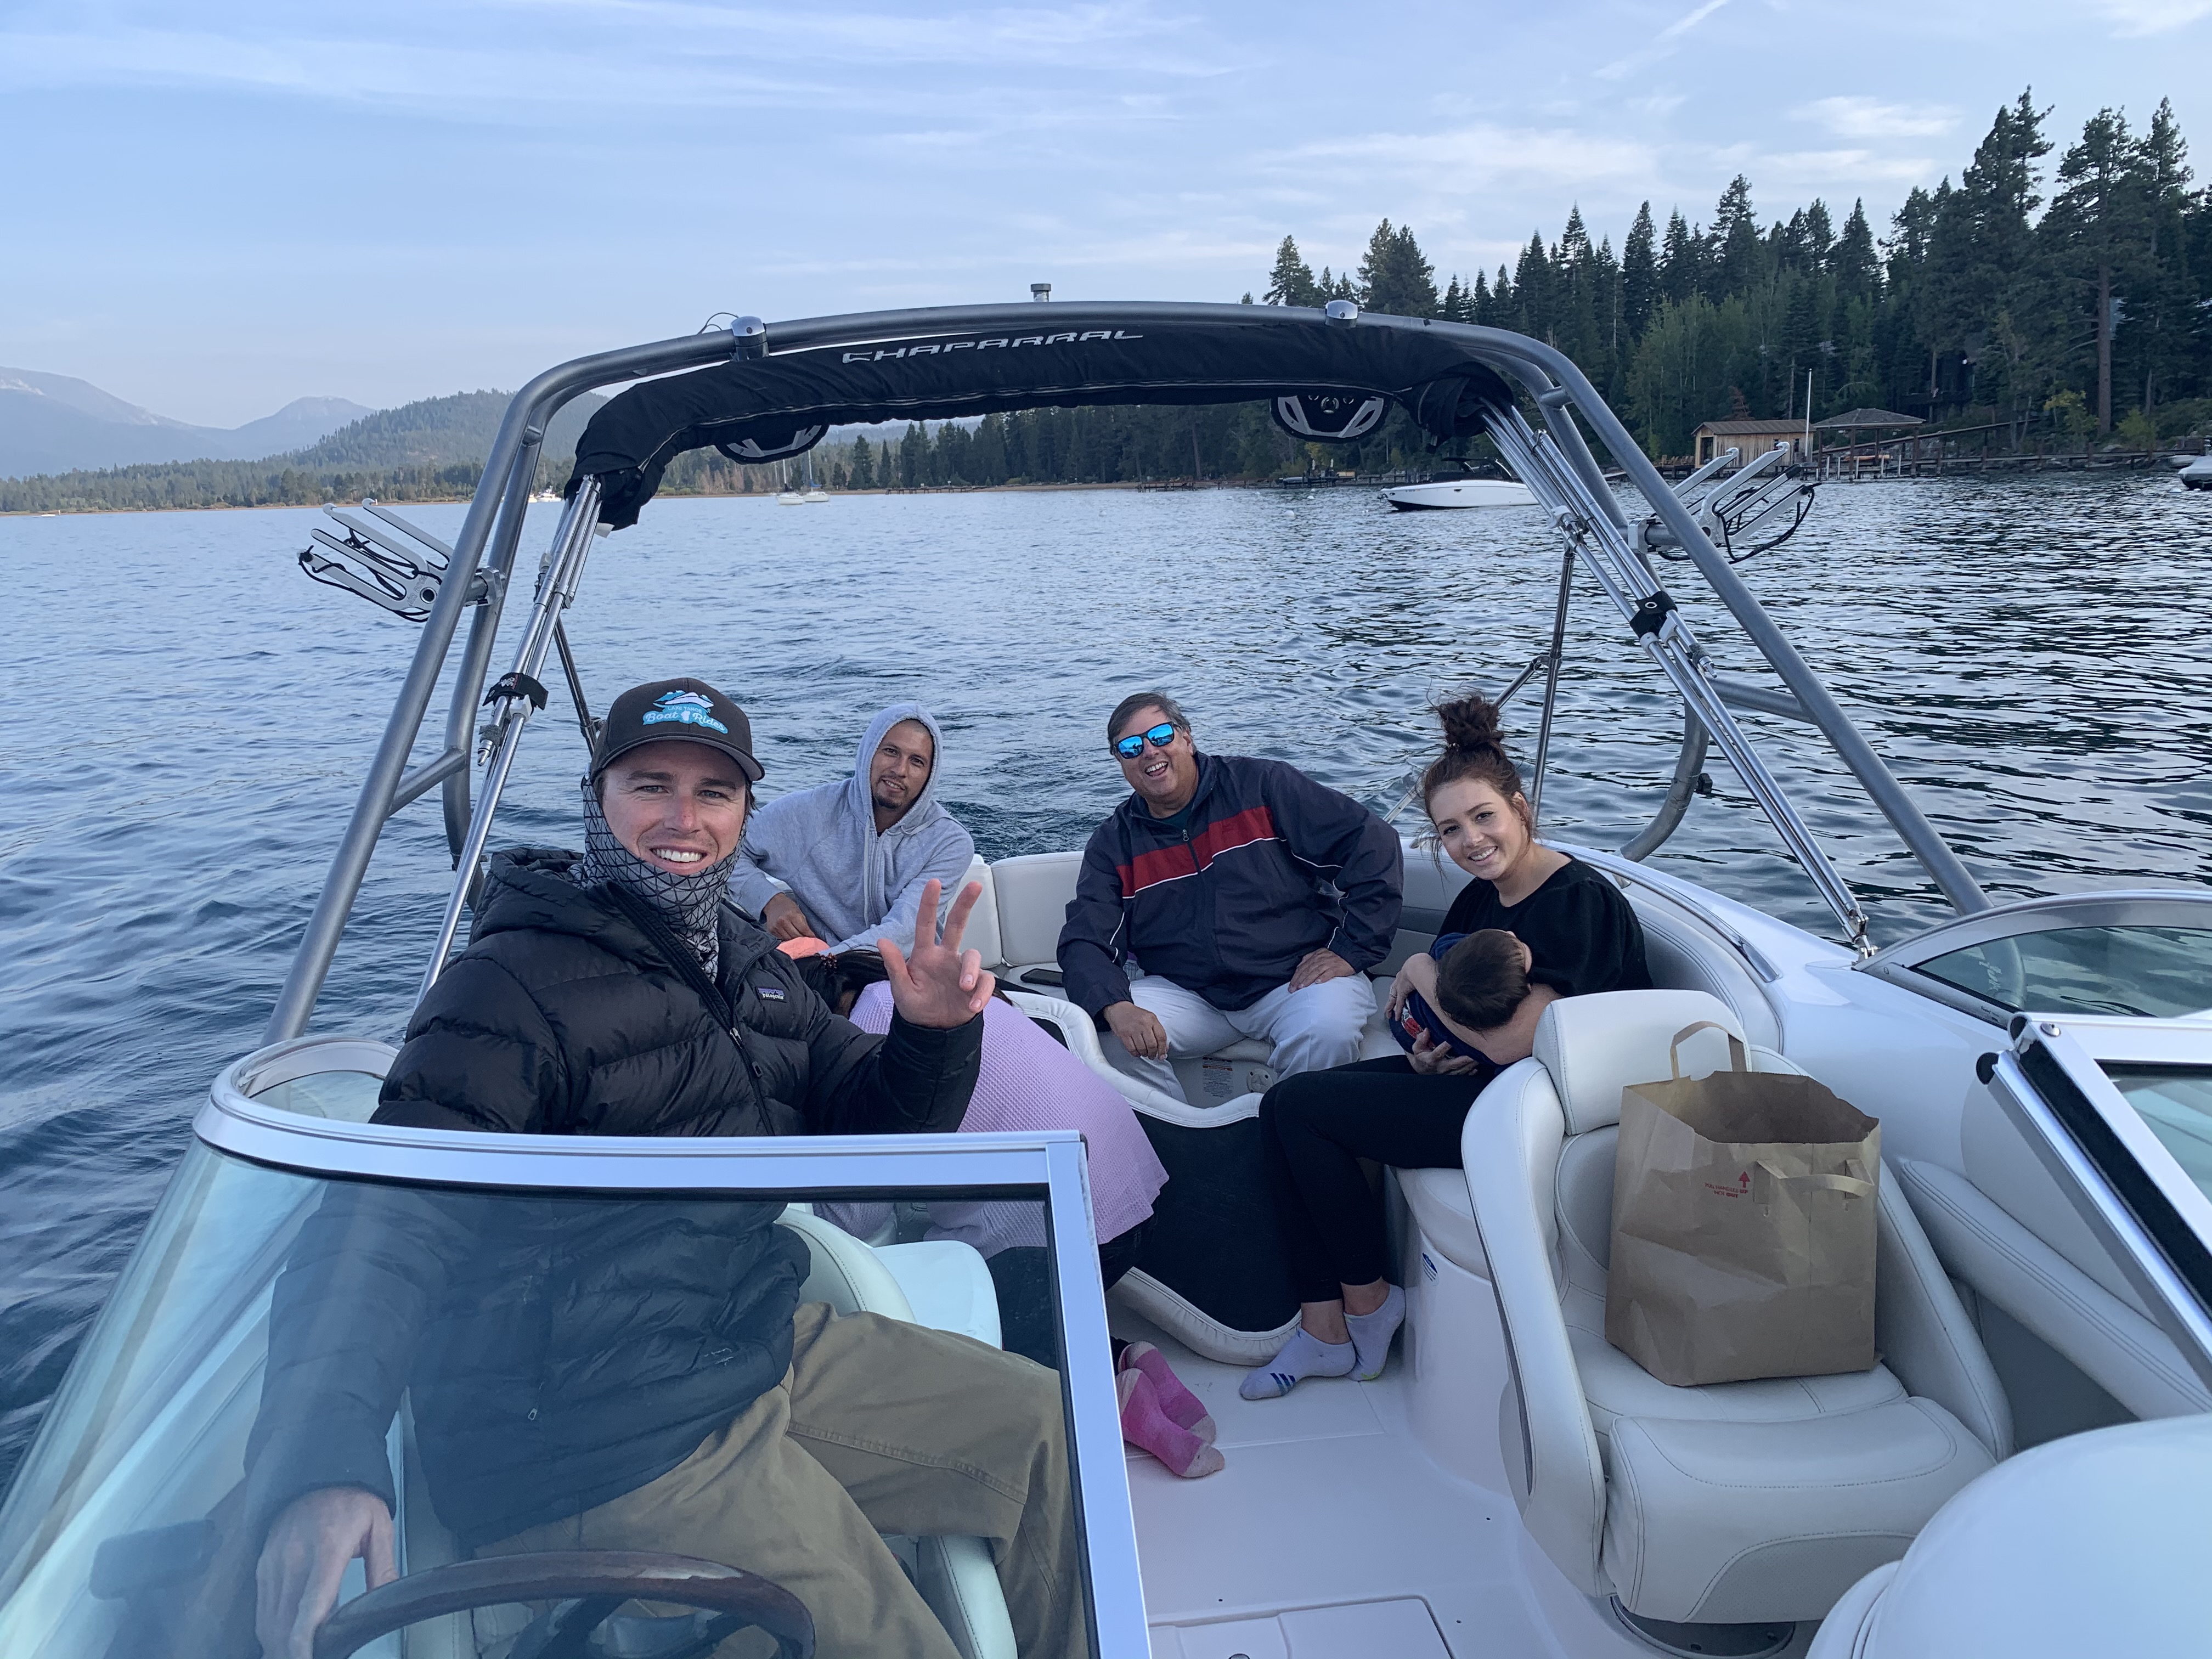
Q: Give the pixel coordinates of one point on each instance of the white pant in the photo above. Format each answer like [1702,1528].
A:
[1310,1030]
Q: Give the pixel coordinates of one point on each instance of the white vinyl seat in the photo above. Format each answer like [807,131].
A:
[1032,894]
[1729,1503]
[2094,1544]
[2005,1228]
[954,1575]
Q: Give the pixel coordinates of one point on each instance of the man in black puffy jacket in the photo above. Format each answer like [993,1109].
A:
[639,1374]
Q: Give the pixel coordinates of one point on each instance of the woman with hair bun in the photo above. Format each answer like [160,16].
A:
[1580,936]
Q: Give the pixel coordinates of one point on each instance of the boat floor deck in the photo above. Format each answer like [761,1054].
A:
[1331,1534]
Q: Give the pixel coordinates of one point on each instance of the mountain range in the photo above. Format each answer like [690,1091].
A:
[56,423]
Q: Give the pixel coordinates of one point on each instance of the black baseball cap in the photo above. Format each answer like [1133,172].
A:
[690,711]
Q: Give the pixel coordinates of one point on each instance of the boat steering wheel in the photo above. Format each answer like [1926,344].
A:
[586,1586]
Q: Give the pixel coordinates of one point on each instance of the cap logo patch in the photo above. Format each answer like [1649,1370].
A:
[687,706]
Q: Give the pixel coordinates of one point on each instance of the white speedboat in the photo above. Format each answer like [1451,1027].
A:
[2033,1442]
[2197,475]
[1464,489]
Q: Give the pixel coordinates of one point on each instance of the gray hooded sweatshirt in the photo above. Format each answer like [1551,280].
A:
[857,886]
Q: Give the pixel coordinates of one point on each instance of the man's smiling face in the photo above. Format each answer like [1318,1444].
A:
[680,806]
[1166,778]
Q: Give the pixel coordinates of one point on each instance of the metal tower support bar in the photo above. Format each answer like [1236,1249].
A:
[1541,465]
[378,789]
[1936,856]
[483,631]
[556,586]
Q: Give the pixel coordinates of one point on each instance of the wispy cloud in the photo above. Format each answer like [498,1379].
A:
[1870,118]
[1663,44]
[2136,17]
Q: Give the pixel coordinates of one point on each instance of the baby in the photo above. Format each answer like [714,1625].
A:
[1467,990]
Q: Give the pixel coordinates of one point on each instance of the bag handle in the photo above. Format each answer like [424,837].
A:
[1851,1184]
[1737,1059]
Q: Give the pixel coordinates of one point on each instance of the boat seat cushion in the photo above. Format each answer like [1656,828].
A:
[1032,894]
[2107,1339]
[1732,1522]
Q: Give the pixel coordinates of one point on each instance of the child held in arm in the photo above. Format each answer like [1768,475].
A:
[1470,996]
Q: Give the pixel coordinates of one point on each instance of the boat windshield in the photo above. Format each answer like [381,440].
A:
[2161,973]
[2175,1104]
[545,1390]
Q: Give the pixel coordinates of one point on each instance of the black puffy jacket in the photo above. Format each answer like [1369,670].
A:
[563,1350]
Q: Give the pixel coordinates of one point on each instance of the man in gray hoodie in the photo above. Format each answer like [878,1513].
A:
[855,855]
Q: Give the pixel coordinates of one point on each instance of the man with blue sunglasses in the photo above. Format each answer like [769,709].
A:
[1253,899]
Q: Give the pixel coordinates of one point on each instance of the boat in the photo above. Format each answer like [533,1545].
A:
[2197,475]
[2029,1457]
[1458,487]
[785,494]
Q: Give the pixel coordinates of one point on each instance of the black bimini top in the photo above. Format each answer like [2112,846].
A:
[1330,378]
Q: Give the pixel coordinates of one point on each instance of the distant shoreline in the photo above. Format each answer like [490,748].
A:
[727,495]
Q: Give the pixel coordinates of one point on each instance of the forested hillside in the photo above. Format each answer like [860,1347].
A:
[431,450]
[2029,299]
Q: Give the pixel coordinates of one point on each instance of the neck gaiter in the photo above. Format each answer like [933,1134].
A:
[690,904]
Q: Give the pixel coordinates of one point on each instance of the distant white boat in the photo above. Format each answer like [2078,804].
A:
[1459,492]
[790,498]
[2197,475]
[815,495]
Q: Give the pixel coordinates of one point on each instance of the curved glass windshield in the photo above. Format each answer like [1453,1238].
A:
[2159,972]
[543,1389]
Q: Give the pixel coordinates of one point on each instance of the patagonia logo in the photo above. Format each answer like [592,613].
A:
[687,706]
[768,992]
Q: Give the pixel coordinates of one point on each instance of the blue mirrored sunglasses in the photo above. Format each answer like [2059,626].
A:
[1159,737]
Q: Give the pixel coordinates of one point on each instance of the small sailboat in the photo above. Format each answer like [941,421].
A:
[785,494]
[812,494]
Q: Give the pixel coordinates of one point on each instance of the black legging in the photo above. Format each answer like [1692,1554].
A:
[1021,1275]
[1315,1128]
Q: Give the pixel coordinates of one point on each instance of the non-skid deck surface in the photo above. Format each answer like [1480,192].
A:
[1332,1535]
[1329,1535]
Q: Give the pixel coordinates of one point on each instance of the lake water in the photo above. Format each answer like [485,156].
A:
[187,717]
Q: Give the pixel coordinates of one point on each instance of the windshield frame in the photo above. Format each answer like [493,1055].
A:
[2123,1180]
[801,1168]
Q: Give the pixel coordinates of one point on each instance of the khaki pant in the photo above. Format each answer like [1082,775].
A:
[878,1426]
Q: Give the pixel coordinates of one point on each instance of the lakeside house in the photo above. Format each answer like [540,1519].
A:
[1753,438]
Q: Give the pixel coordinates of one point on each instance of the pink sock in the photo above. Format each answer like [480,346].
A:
[1183,1408]
[1145,1426]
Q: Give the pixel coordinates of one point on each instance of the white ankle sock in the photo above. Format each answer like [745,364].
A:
[1371,1332]
[1304,1355]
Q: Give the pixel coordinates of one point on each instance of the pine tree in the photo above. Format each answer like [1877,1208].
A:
[2098,232]
[1858,273]
[1291,282]
[1639,276]
[1820,234]
[1738,257]
[2169,293]
[1394,277]
[1681,265]
[863,469]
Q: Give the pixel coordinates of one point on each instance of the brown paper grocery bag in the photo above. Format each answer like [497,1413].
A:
[1743,1226]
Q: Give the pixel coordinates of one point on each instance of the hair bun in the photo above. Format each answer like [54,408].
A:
[1470,723]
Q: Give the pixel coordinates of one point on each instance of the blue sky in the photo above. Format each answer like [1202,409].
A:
[215,206]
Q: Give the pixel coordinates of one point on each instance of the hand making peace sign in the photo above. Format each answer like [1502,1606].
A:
[939,985]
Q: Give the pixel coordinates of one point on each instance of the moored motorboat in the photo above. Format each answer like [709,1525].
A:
[1511,1485]
[1461,489]
[2197,475]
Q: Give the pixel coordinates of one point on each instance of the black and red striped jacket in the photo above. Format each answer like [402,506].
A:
[1228,904]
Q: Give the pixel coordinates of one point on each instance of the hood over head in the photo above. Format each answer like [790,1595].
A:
[925,809]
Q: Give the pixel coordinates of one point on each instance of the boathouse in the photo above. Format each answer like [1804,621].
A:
[1752,438]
